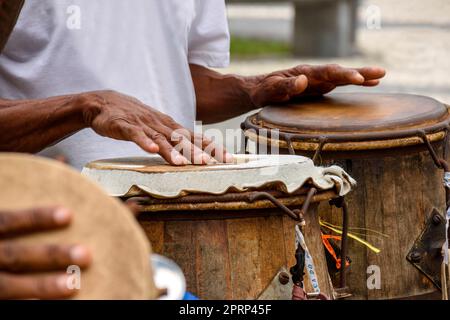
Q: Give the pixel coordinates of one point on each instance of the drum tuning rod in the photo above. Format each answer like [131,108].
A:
[309,197]
[264,195]
[297,215]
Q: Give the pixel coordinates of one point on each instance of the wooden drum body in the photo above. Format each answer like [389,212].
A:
[234,249]
[381,141]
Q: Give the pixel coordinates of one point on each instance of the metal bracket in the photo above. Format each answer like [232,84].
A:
[426,253]
[280,288]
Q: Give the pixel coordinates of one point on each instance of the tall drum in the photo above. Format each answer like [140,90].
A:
[394,146]
[232,228]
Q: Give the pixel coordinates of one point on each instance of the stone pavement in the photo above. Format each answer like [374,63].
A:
[412,44]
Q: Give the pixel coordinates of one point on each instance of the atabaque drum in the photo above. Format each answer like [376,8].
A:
[394,146]
[233,228]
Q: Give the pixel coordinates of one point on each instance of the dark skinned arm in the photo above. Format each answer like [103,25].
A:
[32,125]
[221,97]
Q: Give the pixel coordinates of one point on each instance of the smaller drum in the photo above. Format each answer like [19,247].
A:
[230,226]
[120,269]
[391,144]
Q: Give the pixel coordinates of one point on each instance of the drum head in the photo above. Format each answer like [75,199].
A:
[356,112]
[129,177]
[120,249]
[361,117]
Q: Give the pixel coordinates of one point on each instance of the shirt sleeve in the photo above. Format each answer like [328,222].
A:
[209,37]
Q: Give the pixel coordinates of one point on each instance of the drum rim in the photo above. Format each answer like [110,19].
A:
[347,141]
[275,116]
[239,204]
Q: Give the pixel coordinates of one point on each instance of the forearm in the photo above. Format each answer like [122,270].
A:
[32,125]
[221,97]
[9,12]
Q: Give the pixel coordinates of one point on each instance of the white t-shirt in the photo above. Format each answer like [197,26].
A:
[141,48]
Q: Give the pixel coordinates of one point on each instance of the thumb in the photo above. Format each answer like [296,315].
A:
[292,86]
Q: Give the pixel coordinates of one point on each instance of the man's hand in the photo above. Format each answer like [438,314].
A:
[32,125]
[221,97]
[306,80]
[121,117]
[18,263]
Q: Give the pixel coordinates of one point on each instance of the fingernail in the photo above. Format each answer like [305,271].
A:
[79,254]
[207,159]
[300,80]
[359,78]
[180,160]
[62,216]
[229,157]
[154,146]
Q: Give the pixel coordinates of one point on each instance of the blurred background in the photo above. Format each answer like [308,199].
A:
[409,38]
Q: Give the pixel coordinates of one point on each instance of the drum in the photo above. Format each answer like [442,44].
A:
[394,146]
[120,269]
[231,228]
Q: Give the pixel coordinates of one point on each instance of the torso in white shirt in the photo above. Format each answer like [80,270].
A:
[141,48]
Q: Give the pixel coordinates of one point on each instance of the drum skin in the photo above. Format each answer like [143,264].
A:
[397,187]
[233,254]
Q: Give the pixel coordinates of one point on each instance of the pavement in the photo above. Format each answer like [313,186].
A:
[412,44]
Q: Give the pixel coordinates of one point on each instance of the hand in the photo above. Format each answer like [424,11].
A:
[306,80]
[18,262]
[121,117]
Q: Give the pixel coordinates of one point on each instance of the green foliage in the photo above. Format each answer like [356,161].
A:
[251,48]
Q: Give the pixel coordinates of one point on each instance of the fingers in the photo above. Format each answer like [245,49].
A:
[31,220]
[35,287]
[279,89]
[339,75]
[210,151]
[206,145]
[372,73]
[138,136]
[25,258]
[292,86]
[166,149]
[177,149]
[197,148]
[126,118]
[193,153]
[217,151]
[371,83]
[188,146]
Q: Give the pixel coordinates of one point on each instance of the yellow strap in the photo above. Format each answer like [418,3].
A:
[355,228]
[350,235]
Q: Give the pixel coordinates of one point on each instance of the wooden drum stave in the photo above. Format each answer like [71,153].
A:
[384,142]
[234,250]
